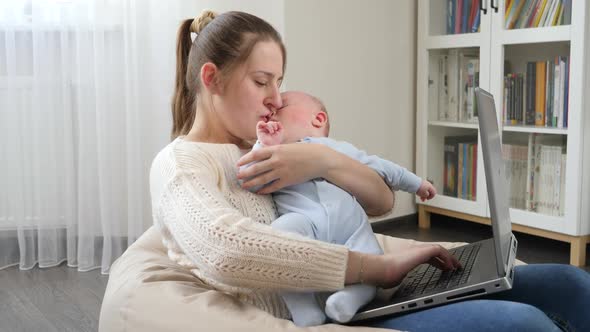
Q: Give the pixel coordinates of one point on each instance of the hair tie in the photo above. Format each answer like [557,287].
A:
[201,21]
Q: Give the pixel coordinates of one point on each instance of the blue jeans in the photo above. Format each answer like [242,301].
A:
[544,297]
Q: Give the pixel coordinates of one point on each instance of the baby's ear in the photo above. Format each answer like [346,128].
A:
[320,119]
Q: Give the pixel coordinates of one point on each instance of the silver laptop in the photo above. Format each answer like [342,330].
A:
[488,266]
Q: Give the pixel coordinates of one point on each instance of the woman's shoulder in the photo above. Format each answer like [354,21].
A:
[186,156]
[181,156]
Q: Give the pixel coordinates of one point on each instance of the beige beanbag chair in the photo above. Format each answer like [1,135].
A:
[149,292]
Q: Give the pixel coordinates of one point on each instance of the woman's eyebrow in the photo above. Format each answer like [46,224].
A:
[271,75]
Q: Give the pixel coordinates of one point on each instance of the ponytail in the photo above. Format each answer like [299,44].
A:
[183,108]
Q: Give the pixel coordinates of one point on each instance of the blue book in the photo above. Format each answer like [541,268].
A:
[465,15]
[452,8]
[475,26]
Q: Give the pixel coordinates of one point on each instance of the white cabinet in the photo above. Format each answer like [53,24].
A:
[555,201]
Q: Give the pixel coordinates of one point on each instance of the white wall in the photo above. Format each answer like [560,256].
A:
[359,57]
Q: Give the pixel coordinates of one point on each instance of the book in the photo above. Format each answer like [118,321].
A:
[531,90]
[540,94]
[443,89]
[557,93]
[453,85]
[472,83]
[453,165]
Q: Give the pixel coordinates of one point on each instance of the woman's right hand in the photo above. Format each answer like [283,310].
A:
[389,270]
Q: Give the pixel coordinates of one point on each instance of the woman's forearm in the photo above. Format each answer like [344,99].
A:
[362,182]
[364,268]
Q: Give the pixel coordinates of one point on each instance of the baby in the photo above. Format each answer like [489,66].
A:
[320,210]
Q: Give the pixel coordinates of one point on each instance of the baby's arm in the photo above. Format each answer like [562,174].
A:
[396,176]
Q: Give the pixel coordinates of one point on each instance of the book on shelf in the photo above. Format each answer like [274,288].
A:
[457,77]
[538,97]
[515,162]
[463,16]
[545,175]
[520,14]
[460,166]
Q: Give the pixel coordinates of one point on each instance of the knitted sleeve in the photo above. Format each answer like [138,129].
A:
[237,254]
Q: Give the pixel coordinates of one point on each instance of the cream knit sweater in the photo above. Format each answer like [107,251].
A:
[221,232]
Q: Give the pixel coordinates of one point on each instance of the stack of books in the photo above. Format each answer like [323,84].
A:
[463,16]
[538,97]
[460,167]
[536,175]
[452,86]
[521,14]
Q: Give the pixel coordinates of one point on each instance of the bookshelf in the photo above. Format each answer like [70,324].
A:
[547,161]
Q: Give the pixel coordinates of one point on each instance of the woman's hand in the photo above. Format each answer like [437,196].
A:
[285,164]
[289,164]
[389,270]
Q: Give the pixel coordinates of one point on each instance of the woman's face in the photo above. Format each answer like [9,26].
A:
[251,92]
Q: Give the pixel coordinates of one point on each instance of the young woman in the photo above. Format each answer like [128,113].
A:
[227,80]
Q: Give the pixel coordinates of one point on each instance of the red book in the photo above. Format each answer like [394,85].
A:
[458,15]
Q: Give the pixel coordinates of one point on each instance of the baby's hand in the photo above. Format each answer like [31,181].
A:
[269,133]
[426,191]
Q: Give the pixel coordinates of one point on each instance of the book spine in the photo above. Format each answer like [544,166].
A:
[531,89]
[540,94]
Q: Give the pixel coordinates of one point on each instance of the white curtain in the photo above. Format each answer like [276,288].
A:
[84,106]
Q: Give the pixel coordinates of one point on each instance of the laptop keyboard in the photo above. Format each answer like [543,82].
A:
[427,278]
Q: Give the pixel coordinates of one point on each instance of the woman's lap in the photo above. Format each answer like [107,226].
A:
[542,295]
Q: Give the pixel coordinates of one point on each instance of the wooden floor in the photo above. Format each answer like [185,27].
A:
[62,299]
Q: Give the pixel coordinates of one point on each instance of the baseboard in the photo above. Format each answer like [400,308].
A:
[385,225]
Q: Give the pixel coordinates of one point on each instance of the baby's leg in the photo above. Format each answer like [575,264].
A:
[343,304]
[303,307]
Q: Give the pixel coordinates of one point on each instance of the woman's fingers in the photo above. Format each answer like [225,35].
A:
[254,170]
[257,155]
[449,262]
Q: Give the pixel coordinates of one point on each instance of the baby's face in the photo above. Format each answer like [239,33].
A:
[296,115]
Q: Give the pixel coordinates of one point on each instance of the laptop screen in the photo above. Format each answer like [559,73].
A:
[495,178]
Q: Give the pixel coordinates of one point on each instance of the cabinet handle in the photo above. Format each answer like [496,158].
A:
[494,7]
[482,8]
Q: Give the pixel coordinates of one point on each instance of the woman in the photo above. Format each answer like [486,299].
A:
[227,80]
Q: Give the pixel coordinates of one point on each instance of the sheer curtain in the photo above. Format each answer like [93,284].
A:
[84,107]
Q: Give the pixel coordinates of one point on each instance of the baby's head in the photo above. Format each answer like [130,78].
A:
[302,115]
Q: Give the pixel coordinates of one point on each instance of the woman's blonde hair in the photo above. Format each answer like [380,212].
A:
[225,40]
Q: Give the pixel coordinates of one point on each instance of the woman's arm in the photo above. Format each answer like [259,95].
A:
[389,270]
[235,253]
[290,164]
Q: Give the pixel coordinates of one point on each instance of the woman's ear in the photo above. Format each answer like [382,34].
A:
[320,119]
[210,77]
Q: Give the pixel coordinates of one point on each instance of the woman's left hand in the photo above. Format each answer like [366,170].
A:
[289,164]
[284,165]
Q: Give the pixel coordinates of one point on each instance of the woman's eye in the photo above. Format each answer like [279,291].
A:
[260,83]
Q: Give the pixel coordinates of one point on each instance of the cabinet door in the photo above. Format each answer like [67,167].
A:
[450,65]
[535,51]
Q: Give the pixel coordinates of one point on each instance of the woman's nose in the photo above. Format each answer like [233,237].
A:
[274,101]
